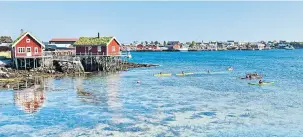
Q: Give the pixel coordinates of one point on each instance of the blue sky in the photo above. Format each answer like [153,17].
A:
[129,21]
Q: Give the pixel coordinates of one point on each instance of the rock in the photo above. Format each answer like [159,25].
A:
[9,69]
[51,71]
[6,76]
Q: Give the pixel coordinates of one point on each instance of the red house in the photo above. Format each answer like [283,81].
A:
[139,47]
[108,46]
[27,51]
[173,45]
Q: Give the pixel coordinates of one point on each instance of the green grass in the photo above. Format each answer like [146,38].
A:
[93,41]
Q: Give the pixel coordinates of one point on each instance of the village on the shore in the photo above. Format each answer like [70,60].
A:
[209,46]
[27,56]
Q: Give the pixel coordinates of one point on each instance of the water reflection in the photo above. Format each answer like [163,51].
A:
[31,97]
[83,93]
[113,97]
[102,90]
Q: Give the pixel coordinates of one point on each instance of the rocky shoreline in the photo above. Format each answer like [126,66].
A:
[9,74]
[20,79]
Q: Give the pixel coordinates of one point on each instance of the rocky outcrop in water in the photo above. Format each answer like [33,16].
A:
[136,65]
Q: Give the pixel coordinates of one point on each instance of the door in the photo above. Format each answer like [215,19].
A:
[28,51]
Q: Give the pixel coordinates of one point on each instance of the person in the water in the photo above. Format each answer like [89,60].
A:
[260,82]
[182,72]
[208,71]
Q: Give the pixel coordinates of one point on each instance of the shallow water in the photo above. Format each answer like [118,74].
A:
[216,104]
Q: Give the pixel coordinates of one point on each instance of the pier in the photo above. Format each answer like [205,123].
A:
[87,62]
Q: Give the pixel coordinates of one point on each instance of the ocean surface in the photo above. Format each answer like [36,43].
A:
[219,104]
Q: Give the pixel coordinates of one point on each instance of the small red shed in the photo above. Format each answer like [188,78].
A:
[108,46]
[27,51]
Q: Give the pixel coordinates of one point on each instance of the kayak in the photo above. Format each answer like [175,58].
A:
[253,77]
[162,75]
[184,74]
[264,83]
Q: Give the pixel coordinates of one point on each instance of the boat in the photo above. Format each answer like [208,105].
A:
[253,77]
[230,69]
[184,74]
[183,49]
[289,47]
[163,75]
[264,83]
[129,56]
[128,53]
[163,48]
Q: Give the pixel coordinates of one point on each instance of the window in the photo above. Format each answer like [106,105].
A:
[99,49]
[113,49]
[28,40]
[21,50]
[36,50]
[28,49]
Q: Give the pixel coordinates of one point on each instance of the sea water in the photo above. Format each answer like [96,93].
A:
[215,104]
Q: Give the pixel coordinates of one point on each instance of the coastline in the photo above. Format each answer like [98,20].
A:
[8,74]
[198,50]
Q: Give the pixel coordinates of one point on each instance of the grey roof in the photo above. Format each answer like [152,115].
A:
[172,42]
[5,44]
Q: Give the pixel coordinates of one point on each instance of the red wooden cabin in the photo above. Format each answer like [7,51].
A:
[27,50]
[108,46]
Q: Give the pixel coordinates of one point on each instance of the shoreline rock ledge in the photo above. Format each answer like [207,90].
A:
[10,73]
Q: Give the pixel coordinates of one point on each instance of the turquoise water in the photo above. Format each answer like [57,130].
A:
[216,104]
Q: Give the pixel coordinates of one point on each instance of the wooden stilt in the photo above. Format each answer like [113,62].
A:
[91,63]
[25,63]
[26,84]
[98,63]
[16,63]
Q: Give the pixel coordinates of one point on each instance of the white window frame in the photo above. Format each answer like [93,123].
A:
[30,49]
[99,49]
[28,40]
[113,49]
[21,50]
[36,50]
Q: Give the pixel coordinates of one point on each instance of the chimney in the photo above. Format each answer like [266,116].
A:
[21,31]
[98,35]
